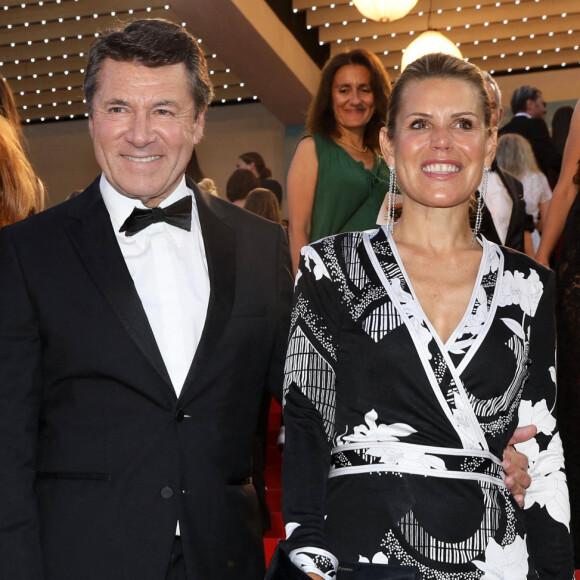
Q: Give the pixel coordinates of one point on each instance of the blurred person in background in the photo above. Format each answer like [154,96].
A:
[14,144]
[337,180]
[239,184]
[505,221]
[208,185]
[561,127]
[255,163]
[8,107]
[514,154]
[264,203]
[21,192]
[529,110]
[564,221]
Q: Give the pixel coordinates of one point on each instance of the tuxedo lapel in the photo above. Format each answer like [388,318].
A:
[90,231]
[220,248]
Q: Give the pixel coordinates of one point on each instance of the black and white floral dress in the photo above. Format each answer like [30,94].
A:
[394,439]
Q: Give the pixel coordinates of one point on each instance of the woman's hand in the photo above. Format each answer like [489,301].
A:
[515,464]
[315,576]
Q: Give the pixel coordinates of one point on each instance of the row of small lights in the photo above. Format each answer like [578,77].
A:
[448,28]
[81,55]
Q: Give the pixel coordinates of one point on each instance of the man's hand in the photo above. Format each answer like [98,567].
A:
[515,464]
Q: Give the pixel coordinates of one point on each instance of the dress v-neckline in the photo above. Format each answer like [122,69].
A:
[373,169]
[458,330]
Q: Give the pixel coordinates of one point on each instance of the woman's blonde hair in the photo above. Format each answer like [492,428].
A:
[514,153]
[21,192]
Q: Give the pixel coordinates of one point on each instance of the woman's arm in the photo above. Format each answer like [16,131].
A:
[528,245]
[309,409]
[564,193]
[300,187]
[544,207]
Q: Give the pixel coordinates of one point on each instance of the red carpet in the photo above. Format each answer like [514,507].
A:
[273,482]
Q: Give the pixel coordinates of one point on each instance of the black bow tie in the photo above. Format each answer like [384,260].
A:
[177,214]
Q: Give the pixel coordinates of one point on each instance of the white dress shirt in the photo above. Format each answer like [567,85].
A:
[169,268]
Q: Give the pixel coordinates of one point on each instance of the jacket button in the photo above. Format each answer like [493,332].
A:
[166,492]
[179,415]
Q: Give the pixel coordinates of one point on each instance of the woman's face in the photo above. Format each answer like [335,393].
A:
[353,102]
[241,164]
[441,144]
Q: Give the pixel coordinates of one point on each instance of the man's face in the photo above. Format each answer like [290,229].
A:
[537,107]
[143,128]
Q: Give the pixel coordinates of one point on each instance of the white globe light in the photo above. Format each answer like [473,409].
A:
[429,42]
[384,10]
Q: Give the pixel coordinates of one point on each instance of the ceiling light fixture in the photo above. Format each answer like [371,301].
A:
[429,42]
[384,10]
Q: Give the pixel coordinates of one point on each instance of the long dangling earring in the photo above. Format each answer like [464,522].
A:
[391,199]
[480,202]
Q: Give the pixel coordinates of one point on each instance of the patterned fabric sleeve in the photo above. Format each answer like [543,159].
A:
[547,509]
[309,407]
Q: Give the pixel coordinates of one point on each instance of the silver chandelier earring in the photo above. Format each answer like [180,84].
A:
[391,199]
[481,201]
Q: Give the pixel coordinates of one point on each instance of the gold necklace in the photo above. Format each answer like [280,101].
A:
[364,150]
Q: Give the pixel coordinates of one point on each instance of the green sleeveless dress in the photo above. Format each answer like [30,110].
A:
[348,197]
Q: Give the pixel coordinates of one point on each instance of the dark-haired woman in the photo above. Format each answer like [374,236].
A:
[255,163]
[564,217]
[337,180]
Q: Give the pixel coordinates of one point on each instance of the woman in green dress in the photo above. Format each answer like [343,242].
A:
[337,180]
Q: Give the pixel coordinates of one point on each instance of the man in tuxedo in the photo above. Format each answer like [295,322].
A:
[140,324]
[529,109]
[505,220]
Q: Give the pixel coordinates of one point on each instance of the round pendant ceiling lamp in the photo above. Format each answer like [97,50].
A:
[429,42]
[384,10]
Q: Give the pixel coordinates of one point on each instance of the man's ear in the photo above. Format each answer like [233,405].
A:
[198,128]
[387,148]
[491,147]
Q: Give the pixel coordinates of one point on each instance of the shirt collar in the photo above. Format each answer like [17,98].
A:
[120,206]
[523,115]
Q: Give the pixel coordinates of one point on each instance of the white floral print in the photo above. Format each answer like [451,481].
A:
[314,263]
[381,432]
[502,562]
[517,289]
[378,558]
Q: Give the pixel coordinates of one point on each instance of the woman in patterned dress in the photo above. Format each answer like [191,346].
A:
[414,352]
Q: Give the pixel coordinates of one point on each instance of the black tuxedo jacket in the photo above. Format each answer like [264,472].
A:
[519,220]
[549,159]
[99,458]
